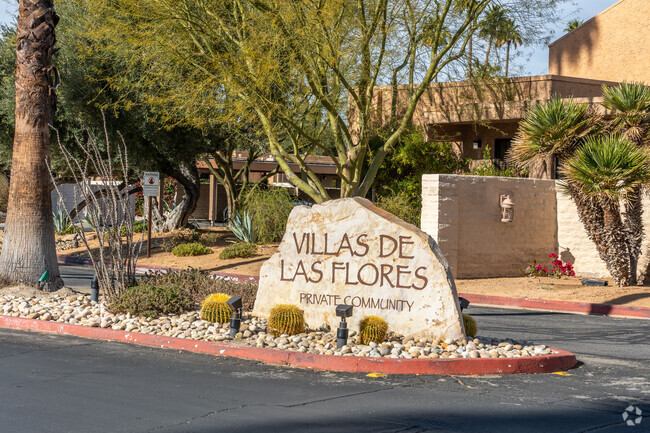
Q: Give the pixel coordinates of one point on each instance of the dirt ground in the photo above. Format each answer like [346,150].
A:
[565,289]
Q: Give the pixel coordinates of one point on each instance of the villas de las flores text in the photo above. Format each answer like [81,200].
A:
[354,260]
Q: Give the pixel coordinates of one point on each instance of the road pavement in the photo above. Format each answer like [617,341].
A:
[54,383]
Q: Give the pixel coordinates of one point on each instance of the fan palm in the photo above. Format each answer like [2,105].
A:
[491,27]
[631,101]
[510,36]
[631,104]
[549,130]
[572,25]
[607,170]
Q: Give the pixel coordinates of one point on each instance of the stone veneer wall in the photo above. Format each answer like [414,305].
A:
[462,214]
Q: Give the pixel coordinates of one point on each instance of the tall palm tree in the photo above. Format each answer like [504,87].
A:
[491,27]
[572,25]
[606,170]
[511,37]
[28,248]
[631,104]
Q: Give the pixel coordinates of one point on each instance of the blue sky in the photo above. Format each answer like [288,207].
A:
[534,60]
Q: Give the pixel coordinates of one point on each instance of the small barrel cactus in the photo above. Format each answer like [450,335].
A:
[214,308]
[372,328]
[286,319]
[470,325]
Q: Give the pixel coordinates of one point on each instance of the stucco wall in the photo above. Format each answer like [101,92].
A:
[463,215]
[610,46]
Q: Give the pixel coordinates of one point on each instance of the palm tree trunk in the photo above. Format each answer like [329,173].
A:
[487,52]
[470,49]
[634,230]
[598,219]
[507,58]
[615,248]
[29,248]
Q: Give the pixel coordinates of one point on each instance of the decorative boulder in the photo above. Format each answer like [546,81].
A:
[349,251]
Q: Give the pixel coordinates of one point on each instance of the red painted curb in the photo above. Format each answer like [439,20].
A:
[562,360]
[566,306]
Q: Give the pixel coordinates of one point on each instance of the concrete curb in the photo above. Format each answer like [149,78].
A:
[563,306]
[562,360]
[536,304]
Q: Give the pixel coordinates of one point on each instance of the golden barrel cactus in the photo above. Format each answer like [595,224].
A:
[372,328]
[214,308]
[286,319]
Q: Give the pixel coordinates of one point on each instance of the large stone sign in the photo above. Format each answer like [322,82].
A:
[348,251]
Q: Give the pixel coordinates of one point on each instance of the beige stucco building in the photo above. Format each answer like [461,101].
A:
[610,46]
[472,115]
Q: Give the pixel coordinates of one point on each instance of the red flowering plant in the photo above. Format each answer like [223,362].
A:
[558,269]
[169,191]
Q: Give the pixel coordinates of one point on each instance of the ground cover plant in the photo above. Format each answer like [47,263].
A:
[151,300]
[238,250]
[192,249]
[199,285]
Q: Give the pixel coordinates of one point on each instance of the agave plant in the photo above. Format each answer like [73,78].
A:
[62,224]
[242,227]
[607,170]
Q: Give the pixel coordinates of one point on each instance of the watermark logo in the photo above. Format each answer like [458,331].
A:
[632,416]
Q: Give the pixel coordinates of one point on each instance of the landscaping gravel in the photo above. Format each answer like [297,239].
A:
[80,310]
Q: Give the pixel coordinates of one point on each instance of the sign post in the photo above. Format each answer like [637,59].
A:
[150,185]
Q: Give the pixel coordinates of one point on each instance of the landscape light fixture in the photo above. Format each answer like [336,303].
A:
[464,303]
[343,311]
[507,208]
[235,322]
[94,289]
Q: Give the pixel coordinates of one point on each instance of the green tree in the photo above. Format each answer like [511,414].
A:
[631,104]
[492,27]
[402,170]
[510,36]
[572,25]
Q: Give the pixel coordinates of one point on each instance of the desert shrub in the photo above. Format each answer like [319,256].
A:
[470,325]
[214,308]
[210,239]
[286,319]
[486,167]
[139,226]
[151,300]
[269,210]
[240,249]
[402,169]
[178,237]
[372,328]
[193,249]
[199,284]
[401,206]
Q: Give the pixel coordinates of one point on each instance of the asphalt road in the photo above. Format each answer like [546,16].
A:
[67,384]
